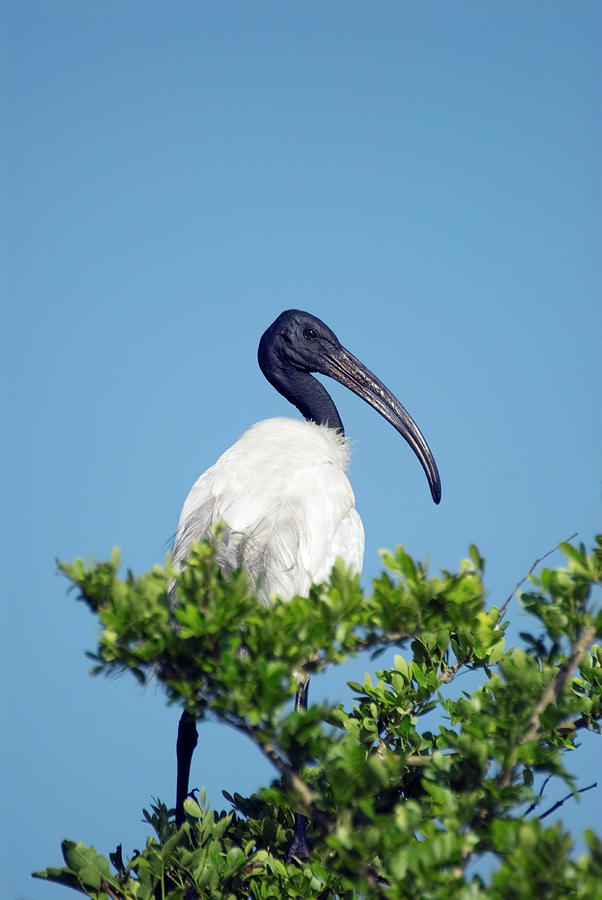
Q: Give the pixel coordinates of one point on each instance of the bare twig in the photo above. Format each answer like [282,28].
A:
[556,686]
[551,695]
[542,789]
[564,799]
[290,777]
[539,559]
[111,892]
[413,761]
[418,762]
[450,672]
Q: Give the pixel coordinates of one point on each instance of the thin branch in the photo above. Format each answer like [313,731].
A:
[551,695]
[414,761]
[564,799]
[111,892]
[539,796]
[392,637]
[290,777]
[531,570]
[319,660]
[556,686]
[417,762]
[450,672]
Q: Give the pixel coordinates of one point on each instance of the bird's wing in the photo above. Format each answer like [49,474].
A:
[283,495]
[311,520]
[197,518]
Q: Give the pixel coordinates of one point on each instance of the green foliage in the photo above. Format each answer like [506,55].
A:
[410,785]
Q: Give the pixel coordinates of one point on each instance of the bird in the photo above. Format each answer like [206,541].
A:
[281,493]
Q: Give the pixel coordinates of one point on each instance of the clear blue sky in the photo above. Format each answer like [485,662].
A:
[422,176]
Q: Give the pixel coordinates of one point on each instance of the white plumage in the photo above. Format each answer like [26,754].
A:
[288,508]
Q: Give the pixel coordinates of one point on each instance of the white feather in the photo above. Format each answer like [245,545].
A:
[288,508]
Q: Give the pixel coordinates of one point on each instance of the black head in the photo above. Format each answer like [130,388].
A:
[297,344]
[297,339]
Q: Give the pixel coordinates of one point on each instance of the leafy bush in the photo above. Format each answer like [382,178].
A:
[397,807]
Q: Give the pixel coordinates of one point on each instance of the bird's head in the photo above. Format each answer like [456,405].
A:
[299,340]
[298,343]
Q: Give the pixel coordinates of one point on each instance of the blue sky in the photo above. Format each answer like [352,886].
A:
[423,177]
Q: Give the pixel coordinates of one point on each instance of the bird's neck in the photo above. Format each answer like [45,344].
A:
[308,394]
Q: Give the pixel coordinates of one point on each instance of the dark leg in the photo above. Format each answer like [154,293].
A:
[302,694]
[299,848]
[187,741]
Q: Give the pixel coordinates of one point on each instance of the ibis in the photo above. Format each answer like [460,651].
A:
[281,492]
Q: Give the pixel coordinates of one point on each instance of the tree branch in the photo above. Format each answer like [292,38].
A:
[539,796]
[564,799]
[539,559]
[556,686]
[551,695]
[290,777]
[450,672]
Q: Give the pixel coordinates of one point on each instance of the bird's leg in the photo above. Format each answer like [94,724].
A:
[302,694]
[299,848]
[187,741]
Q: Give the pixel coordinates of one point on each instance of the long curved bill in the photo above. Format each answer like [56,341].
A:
[343,366]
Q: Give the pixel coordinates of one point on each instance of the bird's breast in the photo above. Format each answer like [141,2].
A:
[283,494]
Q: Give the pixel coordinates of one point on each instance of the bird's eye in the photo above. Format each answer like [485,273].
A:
[310,334]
